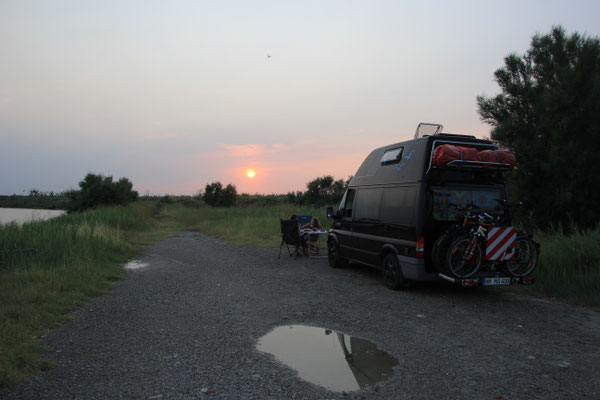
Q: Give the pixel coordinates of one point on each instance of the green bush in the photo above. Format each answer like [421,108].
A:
[216,196]
[96,190]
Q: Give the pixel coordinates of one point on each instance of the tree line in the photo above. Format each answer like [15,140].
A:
[320,191]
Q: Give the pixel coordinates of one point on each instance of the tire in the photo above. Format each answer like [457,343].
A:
[333,254]
[392,273]
[458,265]
[526,257]
[438,252]
[440,248]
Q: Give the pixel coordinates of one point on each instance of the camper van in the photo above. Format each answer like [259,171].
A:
[400,202]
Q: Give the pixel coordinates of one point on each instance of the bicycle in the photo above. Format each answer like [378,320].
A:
[470,249]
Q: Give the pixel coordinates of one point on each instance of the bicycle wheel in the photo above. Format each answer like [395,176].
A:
[460,264]
[526,257]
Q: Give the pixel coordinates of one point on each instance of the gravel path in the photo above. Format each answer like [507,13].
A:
[186,327]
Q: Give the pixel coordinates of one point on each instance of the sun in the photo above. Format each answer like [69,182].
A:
[250,174]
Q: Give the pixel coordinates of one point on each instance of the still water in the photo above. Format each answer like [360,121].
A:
[327,358]
[135,264]
[21,215]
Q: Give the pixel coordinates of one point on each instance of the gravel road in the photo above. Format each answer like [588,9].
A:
[186,326]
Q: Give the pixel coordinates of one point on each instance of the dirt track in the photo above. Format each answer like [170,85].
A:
[186,326]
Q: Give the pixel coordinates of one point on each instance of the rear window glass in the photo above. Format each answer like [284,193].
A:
[442,198]
[392,156]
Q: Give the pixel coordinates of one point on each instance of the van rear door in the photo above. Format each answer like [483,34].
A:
[485,197]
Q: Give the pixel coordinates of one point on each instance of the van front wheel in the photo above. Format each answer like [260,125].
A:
[392,273]
[333,254]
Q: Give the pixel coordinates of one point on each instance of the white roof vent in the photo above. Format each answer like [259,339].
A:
[427,129]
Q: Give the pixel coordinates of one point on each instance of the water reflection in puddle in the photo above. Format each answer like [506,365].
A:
[135,264]
[328,358]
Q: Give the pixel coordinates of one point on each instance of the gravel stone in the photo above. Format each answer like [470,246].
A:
[186,327]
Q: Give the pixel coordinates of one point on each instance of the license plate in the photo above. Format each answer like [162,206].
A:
[495,281]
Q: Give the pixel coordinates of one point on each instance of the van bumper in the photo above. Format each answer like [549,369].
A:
[414,269]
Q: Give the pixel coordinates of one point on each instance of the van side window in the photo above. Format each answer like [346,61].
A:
[398,205]
[348,203]
[367,204]
[392,156]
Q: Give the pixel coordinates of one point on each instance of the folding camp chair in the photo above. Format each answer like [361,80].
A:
[304,219]
[291,237]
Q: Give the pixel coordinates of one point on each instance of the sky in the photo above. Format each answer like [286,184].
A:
[175,95]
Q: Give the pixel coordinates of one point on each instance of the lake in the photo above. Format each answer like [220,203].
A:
[21,215]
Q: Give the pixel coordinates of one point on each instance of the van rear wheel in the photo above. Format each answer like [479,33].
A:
[392,273]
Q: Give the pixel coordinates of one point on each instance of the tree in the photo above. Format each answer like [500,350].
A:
[548,113]
[216,196]
[325,190]
[96,189]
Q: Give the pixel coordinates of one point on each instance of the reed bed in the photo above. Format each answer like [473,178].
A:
[569,266]
[48,268]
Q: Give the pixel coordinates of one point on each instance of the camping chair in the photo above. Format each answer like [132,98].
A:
[304,219]
[291,237]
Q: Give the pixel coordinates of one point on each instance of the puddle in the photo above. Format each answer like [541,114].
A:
[135,264]
[327,358]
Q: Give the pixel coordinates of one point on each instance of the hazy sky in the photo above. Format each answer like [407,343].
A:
[175,95]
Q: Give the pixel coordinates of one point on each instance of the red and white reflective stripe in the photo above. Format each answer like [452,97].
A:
[500,243]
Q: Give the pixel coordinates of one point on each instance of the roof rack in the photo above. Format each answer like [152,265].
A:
[477,164]
[465,163]
[454,135]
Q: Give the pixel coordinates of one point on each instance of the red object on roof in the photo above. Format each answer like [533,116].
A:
[445,153]
[498,156]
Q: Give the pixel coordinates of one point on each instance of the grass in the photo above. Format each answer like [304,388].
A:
[48,269]
[569,266]
[256,226]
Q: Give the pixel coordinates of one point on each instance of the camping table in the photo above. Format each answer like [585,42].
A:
[310,233]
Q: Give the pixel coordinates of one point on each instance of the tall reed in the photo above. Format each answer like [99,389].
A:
[48,268]
[569,266]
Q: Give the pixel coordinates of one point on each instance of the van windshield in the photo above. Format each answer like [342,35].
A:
[442,198]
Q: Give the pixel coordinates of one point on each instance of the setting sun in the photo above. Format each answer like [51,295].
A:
[250,174]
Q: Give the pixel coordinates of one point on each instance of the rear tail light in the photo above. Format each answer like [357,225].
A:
[468,282]
[420,247]
[527,281]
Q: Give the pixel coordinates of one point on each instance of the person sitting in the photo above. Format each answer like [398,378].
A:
[315,226]
[294,217]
